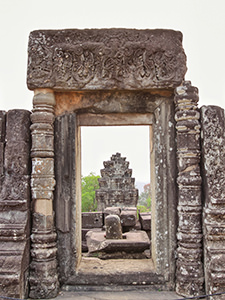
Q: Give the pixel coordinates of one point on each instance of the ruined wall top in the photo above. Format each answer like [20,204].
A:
[105,59]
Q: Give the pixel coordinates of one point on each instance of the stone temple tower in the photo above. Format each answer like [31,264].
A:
[117,187]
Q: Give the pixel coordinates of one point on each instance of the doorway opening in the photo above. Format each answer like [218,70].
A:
[97,145]
[73,268]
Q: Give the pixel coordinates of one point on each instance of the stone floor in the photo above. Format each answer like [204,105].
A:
[98,279]
[118,295]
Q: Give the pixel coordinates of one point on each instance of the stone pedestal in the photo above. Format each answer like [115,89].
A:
[43,268]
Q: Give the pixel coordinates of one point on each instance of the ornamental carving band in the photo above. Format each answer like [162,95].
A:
[105,59]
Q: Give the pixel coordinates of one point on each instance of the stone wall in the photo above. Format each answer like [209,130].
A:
[14,202]
[213,171]
[86,78]
[189,273]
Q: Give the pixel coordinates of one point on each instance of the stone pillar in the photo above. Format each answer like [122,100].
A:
[43,268]
[213,166]
[189,273]
[14,203]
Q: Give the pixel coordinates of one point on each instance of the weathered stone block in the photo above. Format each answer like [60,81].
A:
[129,68]
[103,183]
[188,140]
[42,187]
[189,271]
[213,164]
[145,220]
[190,219]
[128,217]
[16,188]
[92,220]
[44,272]
[113,227]
[17,158]
[14,225]
[84,231]
[2,149]
[18,126]
[2,125]
[112,211]
[14,262]
[42,140]
[43,166]
[190,197]
[133,242]
[185,254]
[42,223]
[44,115]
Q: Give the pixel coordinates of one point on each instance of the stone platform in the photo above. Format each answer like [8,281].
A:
[134,243]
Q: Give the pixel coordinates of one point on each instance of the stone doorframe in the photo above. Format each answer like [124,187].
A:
[80,72]
[163,165]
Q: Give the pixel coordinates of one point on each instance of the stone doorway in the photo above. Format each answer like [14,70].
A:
[80,75]
[73,269]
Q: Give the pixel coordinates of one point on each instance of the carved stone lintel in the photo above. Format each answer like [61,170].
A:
[105,59]
[189,273]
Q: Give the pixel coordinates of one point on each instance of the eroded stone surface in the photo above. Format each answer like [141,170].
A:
[75,59]
[92,220]
[213,165]
[14,203]
[189,272]
[128,217]
[132,242]
[117,187]
[145,220]
[113,227]
[43,276]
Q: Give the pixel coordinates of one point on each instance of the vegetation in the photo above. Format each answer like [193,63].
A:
[89,184]
[144,202]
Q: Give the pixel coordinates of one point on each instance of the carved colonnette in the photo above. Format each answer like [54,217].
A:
[189,273]
[14,203]
[43,268]
[213,166]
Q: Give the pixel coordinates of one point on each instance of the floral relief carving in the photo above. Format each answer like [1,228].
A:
[107,59]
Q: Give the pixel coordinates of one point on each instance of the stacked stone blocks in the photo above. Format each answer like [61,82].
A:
[14,202]
[116,185]
[213,166]
[43,268]
[189,271]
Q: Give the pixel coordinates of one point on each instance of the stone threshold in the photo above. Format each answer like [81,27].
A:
[132,272]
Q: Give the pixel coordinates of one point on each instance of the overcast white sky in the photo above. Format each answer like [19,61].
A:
[202,23]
